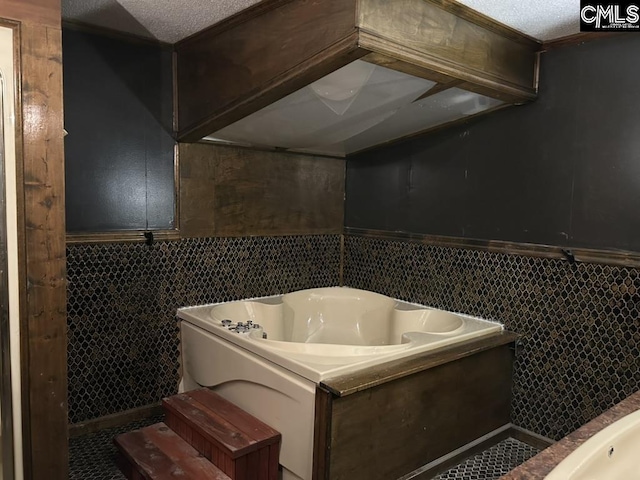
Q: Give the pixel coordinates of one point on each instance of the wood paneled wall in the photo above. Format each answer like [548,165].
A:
[42,237]
[45,13]
[231,191]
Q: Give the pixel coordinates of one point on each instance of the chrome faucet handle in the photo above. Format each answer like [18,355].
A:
[226,322]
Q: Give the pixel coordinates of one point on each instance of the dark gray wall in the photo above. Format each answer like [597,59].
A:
[564,170]
[119,151]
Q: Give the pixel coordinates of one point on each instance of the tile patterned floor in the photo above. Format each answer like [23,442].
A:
[492,463]
[92,457]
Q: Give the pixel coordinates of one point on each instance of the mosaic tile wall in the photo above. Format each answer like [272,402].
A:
[122,298]
[580,323]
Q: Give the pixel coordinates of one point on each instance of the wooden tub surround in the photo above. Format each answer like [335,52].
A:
[541,465]
[391,419]
[385,422]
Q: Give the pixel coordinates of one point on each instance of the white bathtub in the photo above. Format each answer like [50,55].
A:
[311,335]
[325,332]
[611,454]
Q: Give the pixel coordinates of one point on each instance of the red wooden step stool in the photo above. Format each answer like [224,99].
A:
[157,453]
[240,445]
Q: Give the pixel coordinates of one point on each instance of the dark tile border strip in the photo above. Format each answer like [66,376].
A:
[478,446]
[134,236]
[530,438]
[444,463]
[115,420]
[620,258]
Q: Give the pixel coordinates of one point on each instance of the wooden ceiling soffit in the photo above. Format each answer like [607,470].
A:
[268,51]
[227,72]
[427,35]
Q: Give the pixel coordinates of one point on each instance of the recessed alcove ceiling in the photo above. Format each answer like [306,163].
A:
[346,112]
[338,77]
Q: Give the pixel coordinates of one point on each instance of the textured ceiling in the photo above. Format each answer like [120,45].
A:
[541,19]
[165,20]
[173,20]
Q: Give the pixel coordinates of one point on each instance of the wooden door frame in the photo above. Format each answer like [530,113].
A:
[41,234]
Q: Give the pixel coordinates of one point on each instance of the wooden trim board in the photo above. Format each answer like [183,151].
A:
[479,445]
[121,237]
[607,257]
